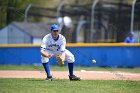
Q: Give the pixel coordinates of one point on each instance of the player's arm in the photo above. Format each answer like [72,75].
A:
[43,48]
[126,40]
[43,53]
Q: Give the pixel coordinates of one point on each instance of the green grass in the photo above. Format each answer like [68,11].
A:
[57,68]
[66,86]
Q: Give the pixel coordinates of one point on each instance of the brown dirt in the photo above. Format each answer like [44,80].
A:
[85,75]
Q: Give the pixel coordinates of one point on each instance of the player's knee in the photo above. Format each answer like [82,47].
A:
[71,59]
[44,59]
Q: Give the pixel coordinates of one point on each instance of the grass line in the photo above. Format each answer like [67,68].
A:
[66,86]
[65,68]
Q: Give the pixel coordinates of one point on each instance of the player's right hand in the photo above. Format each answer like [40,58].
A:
[50,55]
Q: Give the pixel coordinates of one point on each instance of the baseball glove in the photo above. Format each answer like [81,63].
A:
[60,61]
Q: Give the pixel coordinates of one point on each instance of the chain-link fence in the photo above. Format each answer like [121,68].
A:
[91,21]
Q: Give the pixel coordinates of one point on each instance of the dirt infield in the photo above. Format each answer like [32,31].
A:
[85,75]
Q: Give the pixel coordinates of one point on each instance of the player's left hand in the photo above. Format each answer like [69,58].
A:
[50,55]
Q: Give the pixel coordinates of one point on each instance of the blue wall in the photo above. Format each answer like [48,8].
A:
[107,56]
[110,56]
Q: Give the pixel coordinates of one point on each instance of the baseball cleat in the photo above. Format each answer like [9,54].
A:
[74,78]
[49,78]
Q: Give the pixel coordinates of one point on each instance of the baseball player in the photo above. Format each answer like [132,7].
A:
[130,38]
[54,45]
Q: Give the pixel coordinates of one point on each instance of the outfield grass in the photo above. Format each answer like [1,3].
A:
[66,86]
[57,68]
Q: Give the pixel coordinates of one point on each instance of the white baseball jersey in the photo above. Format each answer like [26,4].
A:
[48,43]
[51,46]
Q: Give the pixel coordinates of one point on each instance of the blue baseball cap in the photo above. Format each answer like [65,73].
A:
[54,27]
[131,33]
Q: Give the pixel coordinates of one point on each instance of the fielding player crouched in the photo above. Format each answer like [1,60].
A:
[54,44]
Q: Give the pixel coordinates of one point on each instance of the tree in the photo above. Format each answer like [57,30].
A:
[13,10]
